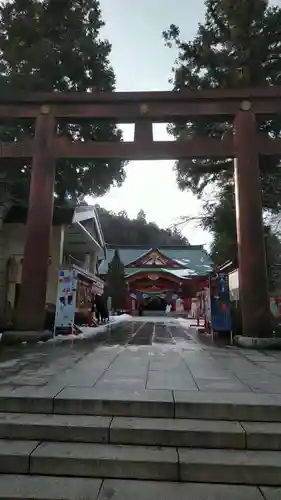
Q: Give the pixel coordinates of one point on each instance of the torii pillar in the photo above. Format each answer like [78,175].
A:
[254,295]
[32,301]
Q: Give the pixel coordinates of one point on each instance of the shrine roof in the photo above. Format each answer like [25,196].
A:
[61,215]
[192,260]
[183,274]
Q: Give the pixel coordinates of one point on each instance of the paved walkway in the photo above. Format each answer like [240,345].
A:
[84,408]
[157,353]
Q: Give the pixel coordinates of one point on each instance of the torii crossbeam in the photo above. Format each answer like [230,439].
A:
[143,109]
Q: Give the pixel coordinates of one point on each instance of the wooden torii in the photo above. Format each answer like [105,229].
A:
[143,109]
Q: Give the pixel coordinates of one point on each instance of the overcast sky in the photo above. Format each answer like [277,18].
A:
[142,62]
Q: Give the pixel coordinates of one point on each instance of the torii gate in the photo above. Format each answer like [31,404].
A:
[143,109]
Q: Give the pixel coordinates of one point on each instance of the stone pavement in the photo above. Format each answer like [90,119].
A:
[156,354]
[52,488]
[147,400]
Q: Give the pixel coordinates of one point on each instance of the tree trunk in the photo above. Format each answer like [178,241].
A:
[4,207]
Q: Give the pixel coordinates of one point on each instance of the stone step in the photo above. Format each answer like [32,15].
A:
[15,487]
[195,433]
[177,432]
[228,406]
[230,466]
[89,460]
[75,428]
[141,431]
[24,487]
[141,462]
[88,401]
[142,403]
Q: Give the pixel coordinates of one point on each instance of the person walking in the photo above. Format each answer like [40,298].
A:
[168,309]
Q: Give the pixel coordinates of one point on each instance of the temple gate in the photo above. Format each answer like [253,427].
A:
[143,109]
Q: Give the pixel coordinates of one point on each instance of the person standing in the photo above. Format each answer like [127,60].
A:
[98,308]
[168,309]
[140,309]
[198,311]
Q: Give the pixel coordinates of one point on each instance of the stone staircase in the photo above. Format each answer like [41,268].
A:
[123,444]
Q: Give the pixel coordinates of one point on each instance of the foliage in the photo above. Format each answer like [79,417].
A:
[55,46]
[220,219]
[119,230]
[273,255]
[116,284]
[238,45]
[141,216]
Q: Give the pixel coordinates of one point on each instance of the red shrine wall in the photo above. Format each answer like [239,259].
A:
[159,284]
[186,288]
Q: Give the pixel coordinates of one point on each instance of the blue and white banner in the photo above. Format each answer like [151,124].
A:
[66,300]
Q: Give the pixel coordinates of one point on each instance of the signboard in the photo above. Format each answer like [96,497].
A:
[207,307]
[66,300]
[97,285]
[109,303]
[234,285]
[83,294]
[220,303]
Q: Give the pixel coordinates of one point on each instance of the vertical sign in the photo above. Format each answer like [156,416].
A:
[220,303]
[66,300]
[207,307]
[109,304]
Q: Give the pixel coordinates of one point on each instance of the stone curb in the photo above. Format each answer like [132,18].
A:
[257,343]
[141,462]
[151,403]
[17,487]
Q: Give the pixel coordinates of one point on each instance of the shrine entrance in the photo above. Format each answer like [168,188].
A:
[154,303]
[143,109]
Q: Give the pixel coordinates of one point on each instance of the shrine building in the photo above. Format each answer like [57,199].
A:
[159,276]
[77,243]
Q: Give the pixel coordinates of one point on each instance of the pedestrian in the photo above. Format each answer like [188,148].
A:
[168,308]
[140,309]
[198,311]
[93,307]
[98,308]
[104,311]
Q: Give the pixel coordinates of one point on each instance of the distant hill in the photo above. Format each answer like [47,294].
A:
[119,230]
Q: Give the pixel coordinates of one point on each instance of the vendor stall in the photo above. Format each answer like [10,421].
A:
[74,298]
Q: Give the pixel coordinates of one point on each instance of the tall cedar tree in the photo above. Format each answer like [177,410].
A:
[220,219]
[50,46]
[116,284]
[47,46]
[119,230]
[239,45]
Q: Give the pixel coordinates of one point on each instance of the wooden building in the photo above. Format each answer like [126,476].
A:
[157,276]
[77,242]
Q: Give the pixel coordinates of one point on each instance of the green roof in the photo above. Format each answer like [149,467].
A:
[61,215]
[193,258]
